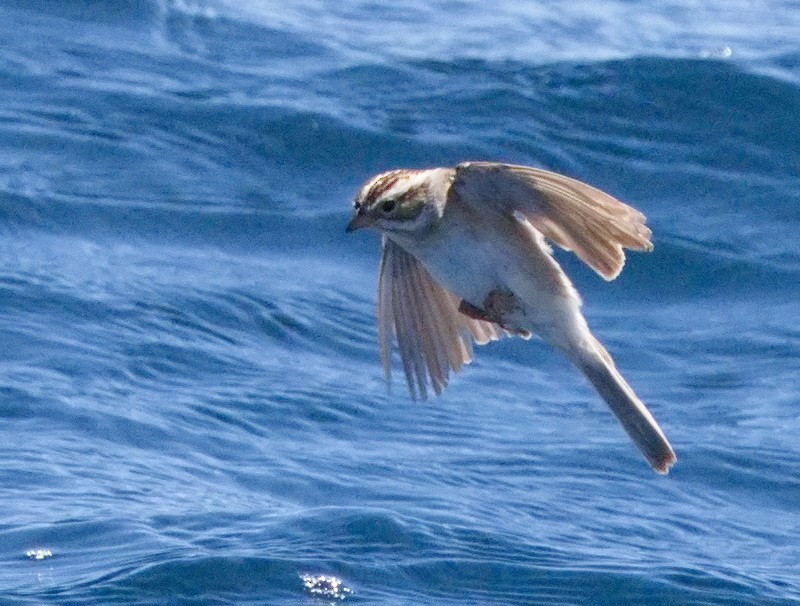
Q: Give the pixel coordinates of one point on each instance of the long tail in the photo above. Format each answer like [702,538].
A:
[598,366]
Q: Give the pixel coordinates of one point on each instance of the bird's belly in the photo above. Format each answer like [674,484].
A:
[477,267]
[471,278]
[469,271]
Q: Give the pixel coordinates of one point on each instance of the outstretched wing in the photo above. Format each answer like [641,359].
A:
[432,335]
[572,214]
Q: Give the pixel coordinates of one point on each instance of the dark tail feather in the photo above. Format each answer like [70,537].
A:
[599,368]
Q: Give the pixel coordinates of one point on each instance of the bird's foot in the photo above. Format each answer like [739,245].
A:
[498,303]
[476,313]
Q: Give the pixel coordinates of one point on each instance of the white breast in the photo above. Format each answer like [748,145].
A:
[460,257]
[472,256]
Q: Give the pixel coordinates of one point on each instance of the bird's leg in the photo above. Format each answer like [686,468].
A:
[497,304]
[476,313]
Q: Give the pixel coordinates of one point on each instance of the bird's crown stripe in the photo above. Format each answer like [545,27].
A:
[382,184]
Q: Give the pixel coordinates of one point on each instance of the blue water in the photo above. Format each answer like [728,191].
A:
[191,405]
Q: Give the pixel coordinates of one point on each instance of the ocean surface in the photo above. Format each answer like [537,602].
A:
[192,409]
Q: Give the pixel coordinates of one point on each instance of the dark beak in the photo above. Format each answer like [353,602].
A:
[359,220]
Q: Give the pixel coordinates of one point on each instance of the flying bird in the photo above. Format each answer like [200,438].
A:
[465,258]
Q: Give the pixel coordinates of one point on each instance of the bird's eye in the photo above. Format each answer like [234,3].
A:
[388,205]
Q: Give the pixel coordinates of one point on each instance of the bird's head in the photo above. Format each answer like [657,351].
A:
[398,201]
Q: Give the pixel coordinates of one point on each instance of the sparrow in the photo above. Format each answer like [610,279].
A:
[466,259]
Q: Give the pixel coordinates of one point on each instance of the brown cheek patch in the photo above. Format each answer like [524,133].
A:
[413,193]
